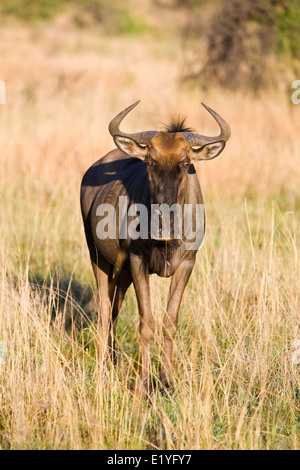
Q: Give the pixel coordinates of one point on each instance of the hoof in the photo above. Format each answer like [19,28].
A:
[144,388]
[165,381]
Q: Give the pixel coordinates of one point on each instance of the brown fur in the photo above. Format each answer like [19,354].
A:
[169,149]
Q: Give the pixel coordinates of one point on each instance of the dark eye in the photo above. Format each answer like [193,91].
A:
[149,162]
[186,164]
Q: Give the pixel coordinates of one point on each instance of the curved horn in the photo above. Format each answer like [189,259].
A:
[141,138]
[196,140]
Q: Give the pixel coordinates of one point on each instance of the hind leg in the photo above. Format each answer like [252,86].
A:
[111,290]
[124,281]
[103,302]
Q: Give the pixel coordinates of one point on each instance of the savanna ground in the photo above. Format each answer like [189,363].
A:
[236,386]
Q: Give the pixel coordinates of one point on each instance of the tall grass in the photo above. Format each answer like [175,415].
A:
[236,386]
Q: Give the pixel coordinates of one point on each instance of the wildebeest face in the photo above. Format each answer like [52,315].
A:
[167,164]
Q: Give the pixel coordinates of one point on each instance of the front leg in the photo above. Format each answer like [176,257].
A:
[178,284]
[140,276]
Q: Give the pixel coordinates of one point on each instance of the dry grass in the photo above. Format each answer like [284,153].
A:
[235,385]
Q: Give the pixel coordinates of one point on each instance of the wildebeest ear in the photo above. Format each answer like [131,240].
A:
[129,146]
[207,152]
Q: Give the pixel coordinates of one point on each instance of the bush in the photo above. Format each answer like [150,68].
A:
[241,36]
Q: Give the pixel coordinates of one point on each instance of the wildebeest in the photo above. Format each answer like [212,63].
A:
[149,169]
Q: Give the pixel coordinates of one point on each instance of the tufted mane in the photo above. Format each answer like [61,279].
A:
[177,124]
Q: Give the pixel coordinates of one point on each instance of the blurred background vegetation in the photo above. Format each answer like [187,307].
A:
[245,40]
[113,17]
[241,43]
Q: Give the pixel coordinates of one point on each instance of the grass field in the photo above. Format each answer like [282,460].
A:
[236,386]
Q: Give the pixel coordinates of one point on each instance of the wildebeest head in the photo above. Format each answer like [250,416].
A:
[168,154]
